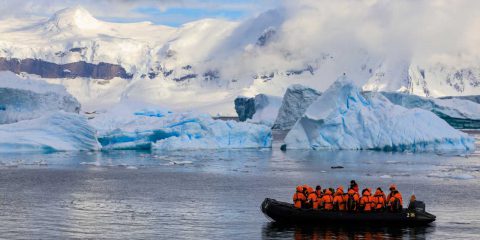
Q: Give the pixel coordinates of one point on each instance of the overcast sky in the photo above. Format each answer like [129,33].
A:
[169,12]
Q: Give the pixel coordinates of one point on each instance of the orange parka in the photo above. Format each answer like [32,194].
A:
[299,197]
[366,201]
[352,200]
[395,196]
[312,198]
[338,200]
[379,200]
[327,200]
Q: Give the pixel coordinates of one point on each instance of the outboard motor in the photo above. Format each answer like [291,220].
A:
[418,206]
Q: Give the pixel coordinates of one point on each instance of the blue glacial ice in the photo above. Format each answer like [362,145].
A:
[344,118]
[24,99]
[56,131]
[135,127]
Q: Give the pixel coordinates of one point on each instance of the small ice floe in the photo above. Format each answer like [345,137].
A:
[323,171]
[180,163]
[386,176]
[96,164]
[131,167]
[449,175]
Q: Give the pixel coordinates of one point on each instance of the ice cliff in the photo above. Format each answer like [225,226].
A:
[58,131]
[23,99]
[459,113]
[137,127]
[295,102]
[343,118]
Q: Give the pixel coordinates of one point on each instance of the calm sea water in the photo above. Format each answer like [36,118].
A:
[217,194]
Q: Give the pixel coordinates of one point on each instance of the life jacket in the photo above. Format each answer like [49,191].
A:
[352,200]
[313,200]
[366,201]
[378,200]
[319,193]
[395,202]
[298,197]
[327,200]
[338,201]
[390,195]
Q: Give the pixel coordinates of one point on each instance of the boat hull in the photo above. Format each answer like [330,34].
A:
[285,213]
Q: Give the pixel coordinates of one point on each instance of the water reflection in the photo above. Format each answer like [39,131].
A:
[279,231]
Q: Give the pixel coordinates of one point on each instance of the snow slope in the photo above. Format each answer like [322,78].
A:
[138,126]
[205,64]
[23,99]
[343,118]
[295,102]
[58,131]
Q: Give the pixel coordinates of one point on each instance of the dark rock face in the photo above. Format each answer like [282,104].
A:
[45,69]
[245,108]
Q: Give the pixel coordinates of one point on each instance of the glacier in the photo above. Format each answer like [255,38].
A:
[343,118]
[459,113]
[24,99]
[138,126]
[295,102]
[266,109]
[56,131]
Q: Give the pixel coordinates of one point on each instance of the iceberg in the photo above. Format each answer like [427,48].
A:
[24,99]
[295,102]
[125,127]
[266,109]
[262,109]
[459,113]
[59,131]
[344,118]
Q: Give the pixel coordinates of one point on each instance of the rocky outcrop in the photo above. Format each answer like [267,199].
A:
[295,102]
[69,70]
[245,108]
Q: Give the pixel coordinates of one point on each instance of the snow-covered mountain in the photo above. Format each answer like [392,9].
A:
[204,65]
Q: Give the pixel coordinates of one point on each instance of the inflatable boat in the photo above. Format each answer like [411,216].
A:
[285,213]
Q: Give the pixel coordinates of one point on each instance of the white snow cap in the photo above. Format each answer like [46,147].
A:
[342,118]
[70,18]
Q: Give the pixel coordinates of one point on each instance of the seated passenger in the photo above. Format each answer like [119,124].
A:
[366,201]
[354,185]
[338,200]
[393,187]
[352,200]
[312,199]
[396,203]
[299,198]
[413,199]
[318,191]
[327,200]
[379,200]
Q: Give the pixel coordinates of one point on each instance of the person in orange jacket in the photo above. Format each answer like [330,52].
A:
[298,197]
[395,202]
[318,191]
[354,185]
[366,201]
[312,199]
[351,200]
[379,200]
[327,200]
[393,188]
[338,200]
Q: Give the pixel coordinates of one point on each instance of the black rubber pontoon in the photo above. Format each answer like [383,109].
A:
[285,213]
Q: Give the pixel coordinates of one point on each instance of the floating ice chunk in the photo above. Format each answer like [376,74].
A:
[123,129]
[58,131]
[459,176]
[343,118]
